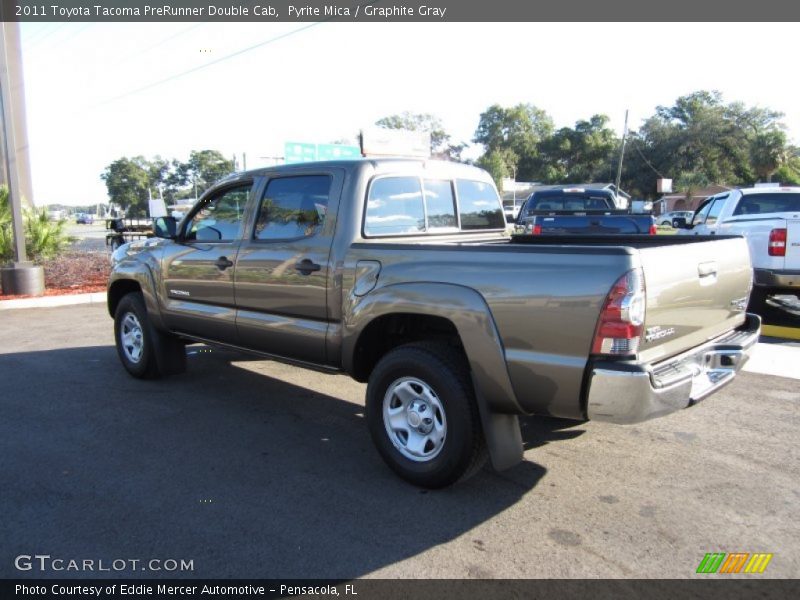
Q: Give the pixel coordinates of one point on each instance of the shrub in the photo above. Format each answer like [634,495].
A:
[44,239]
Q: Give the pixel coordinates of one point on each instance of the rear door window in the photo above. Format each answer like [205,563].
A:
[394,207]
[440,205]
[479,206]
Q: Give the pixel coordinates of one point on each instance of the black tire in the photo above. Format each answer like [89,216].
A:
[758,299]
[444,371]
[145,352]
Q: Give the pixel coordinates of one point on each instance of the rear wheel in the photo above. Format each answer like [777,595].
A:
[423,417]
[145,352]
[758,299]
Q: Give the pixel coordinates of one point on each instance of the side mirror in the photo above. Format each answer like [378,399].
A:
[208,234]
[165,227]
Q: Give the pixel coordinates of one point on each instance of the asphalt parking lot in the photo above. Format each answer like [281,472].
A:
[250,468]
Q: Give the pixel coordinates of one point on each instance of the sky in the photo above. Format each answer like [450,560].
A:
[96,92]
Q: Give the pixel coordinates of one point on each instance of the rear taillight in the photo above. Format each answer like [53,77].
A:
[537,230]
[619,327]
[653,229]
[777,242]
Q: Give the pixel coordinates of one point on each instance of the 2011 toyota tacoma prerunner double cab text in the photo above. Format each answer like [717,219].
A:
[401,274]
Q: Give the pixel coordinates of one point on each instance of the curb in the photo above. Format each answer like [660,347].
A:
[790,333]
[51,301]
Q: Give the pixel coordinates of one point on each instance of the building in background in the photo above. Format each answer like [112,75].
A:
[690,200]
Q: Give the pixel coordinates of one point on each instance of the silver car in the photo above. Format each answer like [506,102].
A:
[668,219]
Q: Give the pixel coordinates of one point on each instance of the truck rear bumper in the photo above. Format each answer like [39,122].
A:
[629,393]
[770,278]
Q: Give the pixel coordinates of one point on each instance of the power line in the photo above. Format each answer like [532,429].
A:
[74,33]
[649,164]
[38,37]
[209,64]
[156,45]
[37,47]
[224,58]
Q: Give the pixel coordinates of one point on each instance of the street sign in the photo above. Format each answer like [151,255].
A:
[337,152]
[396,142]
[300,152]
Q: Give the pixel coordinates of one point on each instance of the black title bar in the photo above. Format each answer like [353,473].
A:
[403,589]
[399,11]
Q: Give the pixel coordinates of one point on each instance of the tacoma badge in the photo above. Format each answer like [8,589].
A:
[656,333]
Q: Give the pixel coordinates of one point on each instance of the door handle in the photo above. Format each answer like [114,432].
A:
[306,267]
[223,263]
[707,269]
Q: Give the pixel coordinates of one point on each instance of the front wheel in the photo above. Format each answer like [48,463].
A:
[423,417]
[145,352]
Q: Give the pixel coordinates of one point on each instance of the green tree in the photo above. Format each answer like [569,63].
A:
[789,171]
[205,167]
[132,181]
[768,152]
[128,181]
[499,164]
[586,153]
[702,137]
[517,131]
[441,145]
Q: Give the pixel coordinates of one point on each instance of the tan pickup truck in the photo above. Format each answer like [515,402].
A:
[401,274]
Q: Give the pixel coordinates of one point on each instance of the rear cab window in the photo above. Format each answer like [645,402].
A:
[776,202]
[569,201]
[409,205]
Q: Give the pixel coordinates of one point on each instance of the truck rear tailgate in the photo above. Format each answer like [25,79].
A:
[695,292]
[792,245]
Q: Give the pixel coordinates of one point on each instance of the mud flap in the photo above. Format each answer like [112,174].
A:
[502,432]
[170,352]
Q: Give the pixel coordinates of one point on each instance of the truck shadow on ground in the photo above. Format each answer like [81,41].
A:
[244,474]
[539,431]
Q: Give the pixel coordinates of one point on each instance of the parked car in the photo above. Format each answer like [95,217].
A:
[400,273]
[84,219]
[580,211]
[668,219]
[769,218]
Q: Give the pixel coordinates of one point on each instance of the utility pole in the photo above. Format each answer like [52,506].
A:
[622,152]
[22,276]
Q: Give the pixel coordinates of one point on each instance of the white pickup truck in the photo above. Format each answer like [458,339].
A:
[769,217]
